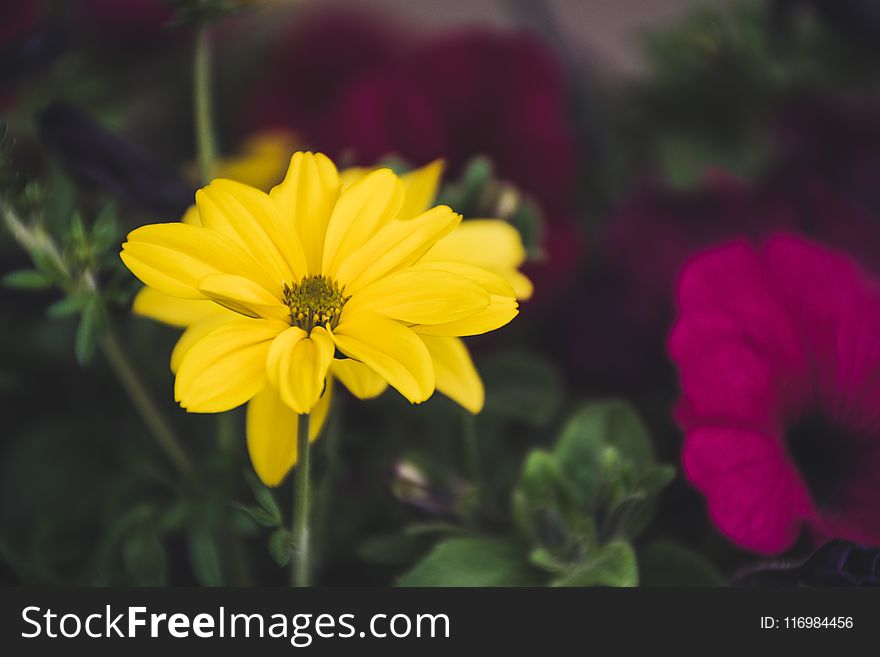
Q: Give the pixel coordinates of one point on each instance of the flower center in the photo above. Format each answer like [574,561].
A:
[825,453]
[314,301]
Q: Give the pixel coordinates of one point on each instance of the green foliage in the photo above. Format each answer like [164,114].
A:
[664,563]
[204,557]
[576,507]
[27,279]
[473,562]
[281,546]
[613,564]
[478,193]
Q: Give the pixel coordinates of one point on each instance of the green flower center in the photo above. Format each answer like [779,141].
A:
[314,301]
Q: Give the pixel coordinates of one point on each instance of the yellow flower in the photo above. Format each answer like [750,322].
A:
[491,245]
[286,280]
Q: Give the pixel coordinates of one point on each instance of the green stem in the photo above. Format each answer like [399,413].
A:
[144,403]
[204,121]
[299,567]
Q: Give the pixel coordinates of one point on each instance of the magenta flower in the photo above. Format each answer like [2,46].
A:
[778,350]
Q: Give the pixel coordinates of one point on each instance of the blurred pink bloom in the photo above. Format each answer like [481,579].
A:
[778,349]
[17,20]
[124,22]
[352,85]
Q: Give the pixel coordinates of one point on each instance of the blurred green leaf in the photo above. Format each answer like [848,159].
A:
[474,562]
[522,386]
[145,560]
[597,437]
[664,563]
[105,230]
[204,557]
[613,564]
[543,503]
[72,304]
[91,326]
[27,279]
[281,546]
[259,515]
[264,497]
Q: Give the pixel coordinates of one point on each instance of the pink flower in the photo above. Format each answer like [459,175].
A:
[124,23]
[353,85]
[778,351]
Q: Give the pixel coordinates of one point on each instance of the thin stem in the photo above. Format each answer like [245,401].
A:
[144,403]
[299,567]
[204,120]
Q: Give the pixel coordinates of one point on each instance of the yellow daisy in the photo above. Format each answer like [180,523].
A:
[299,276]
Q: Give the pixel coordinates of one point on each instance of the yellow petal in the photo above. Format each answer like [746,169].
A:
[271,433]
[243,296]
[226,367]
[361,210]
[391,350]
[491,244]
[397,245]
[421,296]
[250,218]
[421,189]
[297,366]
[489,281]
[306,197]
[457,378]
[351,175]
[171,310]
[361,381]
[174,257]
[199,330]
[498,313]
[261,159]
[191,216]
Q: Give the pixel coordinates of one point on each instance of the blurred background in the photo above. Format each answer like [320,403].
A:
[618,137]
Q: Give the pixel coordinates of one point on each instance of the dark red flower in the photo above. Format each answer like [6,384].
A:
[778,350]
[123,22]
[352,86]
[17,20]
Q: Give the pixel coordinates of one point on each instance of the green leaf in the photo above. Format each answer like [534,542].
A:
[655,479]
[91,326]
[69,305]
[613,564]
[264,497]
[600,436]
[27,279]
[281,546]
[105,230]
[522,386]
[145,560]
[543,504]
[664,563]
[474,562]
[260,515]
[204,556]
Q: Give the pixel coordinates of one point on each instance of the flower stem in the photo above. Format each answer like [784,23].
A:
[144,403]
[204,120]
[300,566]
